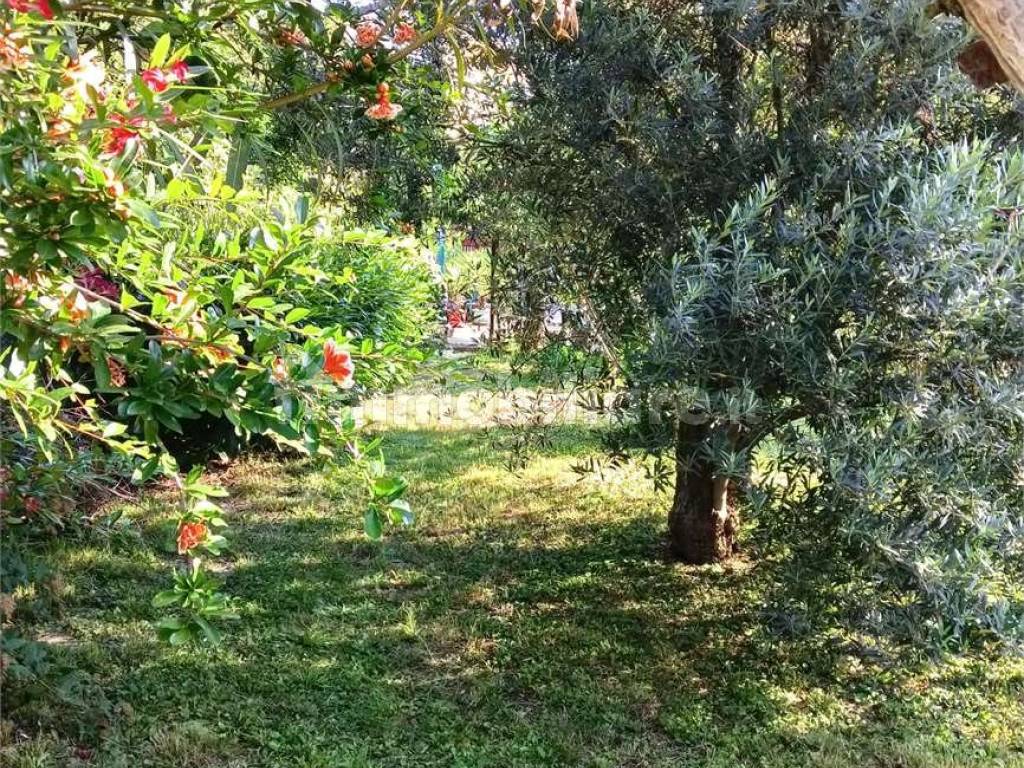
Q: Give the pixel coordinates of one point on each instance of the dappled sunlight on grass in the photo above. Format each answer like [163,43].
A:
[526,619]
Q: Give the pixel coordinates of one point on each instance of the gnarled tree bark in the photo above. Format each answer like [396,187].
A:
[702,523]
[1001,24]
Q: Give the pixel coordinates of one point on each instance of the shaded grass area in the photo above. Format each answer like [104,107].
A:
[525,620]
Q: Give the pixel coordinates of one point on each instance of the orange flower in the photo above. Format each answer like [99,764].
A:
[567,23]
[404,33]
[384,109]
[77,307]
[218,352]
[18,286]
[14,51]
[175,297]
[190,536]
[367,34]
[114,186]
[279,371]
[290,37]
[338,365]
[117,372]
[84,72]
[59,131]
[64,344]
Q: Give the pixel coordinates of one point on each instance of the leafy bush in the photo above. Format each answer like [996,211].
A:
[121,321]
[382,288]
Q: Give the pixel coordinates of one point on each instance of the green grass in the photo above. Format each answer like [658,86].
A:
[525,620]
[463,371]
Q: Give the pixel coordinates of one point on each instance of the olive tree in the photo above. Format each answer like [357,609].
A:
[800,222]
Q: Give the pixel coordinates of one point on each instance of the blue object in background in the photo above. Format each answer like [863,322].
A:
[440,249]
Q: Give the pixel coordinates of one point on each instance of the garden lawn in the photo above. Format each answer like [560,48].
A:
[526,619]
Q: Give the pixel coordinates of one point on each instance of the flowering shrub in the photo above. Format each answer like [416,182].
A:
[119,324]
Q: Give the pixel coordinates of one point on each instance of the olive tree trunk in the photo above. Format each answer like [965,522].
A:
[702,522]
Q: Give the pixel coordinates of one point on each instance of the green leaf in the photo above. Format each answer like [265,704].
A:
[160,51]
[389,488]
[114,428]
[211,634]
[268,238]
[99,367]
[145,471]
[296,314]
[180,637]
[166,598]
[261,302]
[237,161]
[401,512]
[176,188]
[372,523]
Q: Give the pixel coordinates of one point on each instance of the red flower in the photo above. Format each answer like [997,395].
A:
[190,536]
[367,34]
[94,280]
[156,80]
[179,70]
[117,140]
[338,364]
[24,6]
[383,109]
[125,131]
[404,33]
[32,505]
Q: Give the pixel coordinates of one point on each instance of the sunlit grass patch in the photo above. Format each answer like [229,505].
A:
[527,618]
